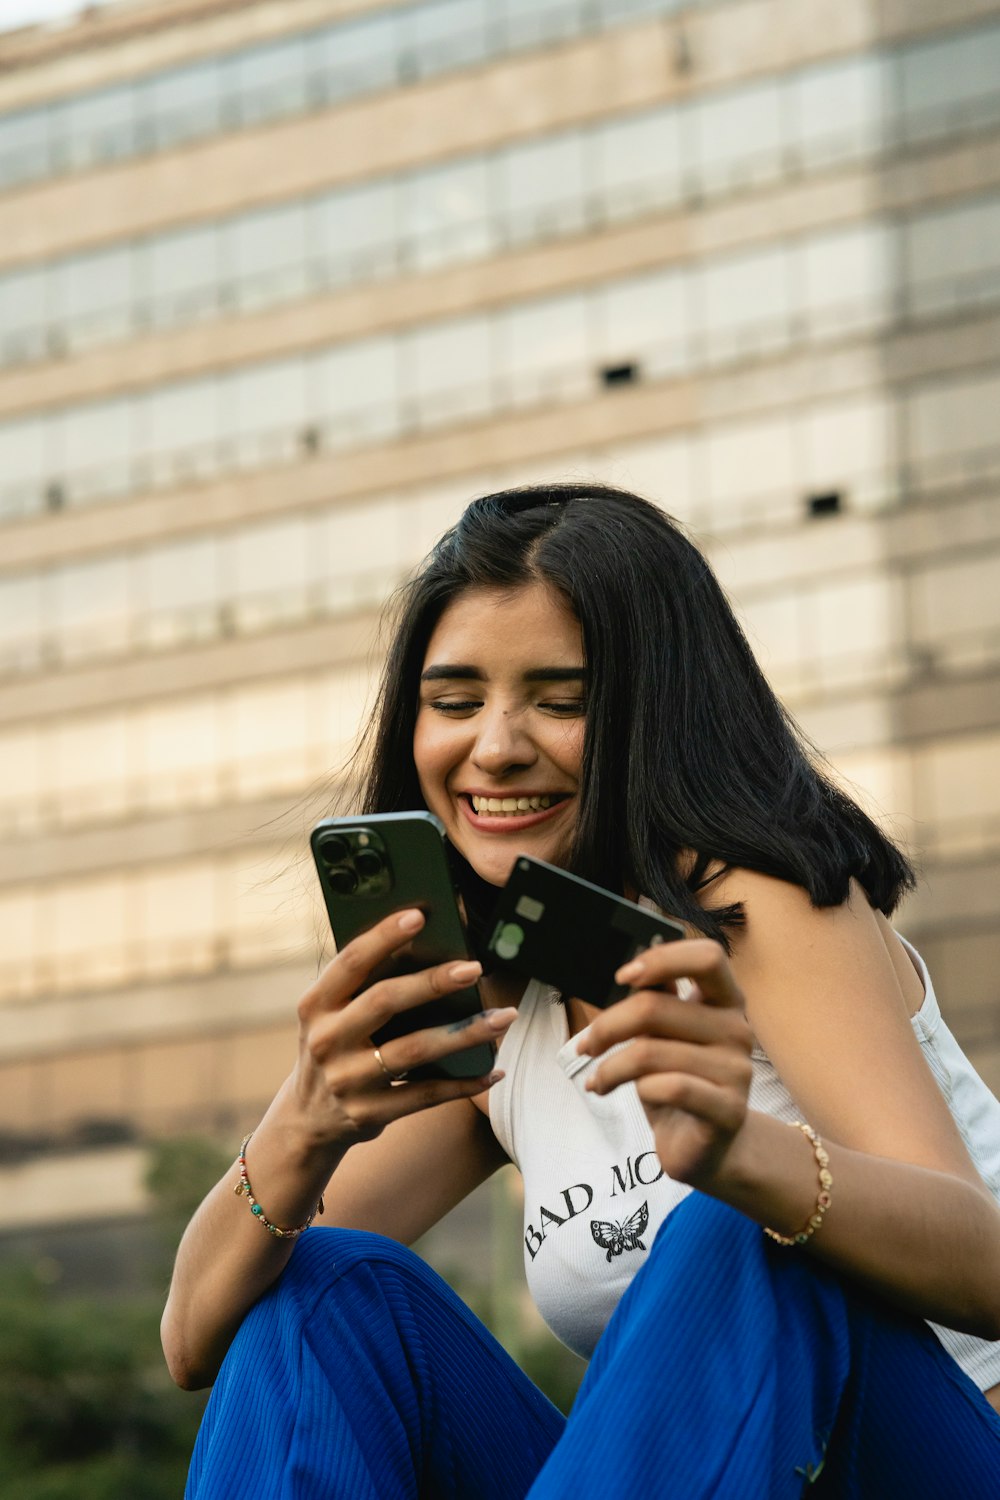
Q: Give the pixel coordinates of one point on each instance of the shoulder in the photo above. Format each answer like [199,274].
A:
[824,999]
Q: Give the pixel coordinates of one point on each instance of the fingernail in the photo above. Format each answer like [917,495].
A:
[465,973]
[494,1077]
[499,1020]
[411,920]
[628,972]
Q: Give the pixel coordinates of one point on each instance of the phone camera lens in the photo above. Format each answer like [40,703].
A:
[333,851]
[343,880]
[368,863]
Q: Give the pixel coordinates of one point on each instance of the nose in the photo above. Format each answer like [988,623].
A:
[502,742]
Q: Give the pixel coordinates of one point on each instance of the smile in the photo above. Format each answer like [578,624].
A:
[511,814]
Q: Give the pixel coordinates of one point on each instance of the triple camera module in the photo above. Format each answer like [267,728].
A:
[356,863]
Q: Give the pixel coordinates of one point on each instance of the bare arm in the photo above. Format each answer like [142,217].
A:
[390,1160]
[910,1216]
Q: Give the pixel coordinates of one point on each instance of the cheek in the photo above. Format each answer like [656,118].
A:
[431,755]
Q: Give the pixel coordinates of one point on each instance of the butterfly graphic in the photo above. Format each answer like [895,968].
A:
[614,1238]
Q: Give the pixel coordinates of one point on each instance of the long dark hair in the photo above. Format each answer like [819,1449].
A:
[687,751]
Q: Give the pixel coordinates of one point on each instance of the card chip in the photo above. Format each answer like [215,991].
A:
[529,908]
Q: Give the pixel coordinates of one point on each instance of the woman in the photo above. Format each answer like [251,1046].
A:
[568,646]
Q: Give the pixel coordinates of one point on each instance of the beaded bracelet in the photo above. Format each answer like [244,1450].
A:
[242,1189]
[823,1196]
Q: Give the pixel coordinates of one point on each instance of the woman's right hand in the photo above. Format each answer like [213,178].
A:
[343,1092]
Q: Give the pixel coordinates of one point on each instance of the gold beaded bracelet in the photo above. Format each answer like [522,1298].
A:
[823,1196]
[242,1190]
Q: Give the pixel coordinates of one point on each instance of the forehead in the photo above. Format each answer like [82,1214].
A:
[511,624]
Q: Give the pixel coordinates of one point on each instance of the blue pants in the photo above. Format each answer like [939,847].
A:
[732,1368]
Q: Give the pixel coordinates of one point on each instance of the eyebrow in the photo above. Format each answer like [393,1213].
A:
[450,671]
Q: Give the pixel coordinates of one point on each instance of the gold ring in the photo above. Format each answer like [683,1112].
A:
[392,1077]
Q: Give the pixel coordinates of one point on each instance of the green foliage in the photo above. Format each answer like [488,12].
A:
[87,1409]
[180,1172]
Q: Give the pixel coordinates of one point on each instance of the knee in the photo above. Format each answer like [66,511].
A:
[325,1257]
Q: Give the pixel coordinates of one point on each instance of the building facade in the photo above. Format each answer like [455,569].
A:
[281,286]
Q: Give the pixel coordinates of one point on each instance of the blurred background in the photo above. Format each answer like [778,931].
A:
[282,285]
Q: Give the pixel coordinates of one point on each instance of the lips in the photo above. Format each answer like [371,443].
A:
[512,813]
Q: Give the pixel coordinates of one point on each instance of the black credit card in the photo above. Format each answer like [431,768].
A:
[554,927]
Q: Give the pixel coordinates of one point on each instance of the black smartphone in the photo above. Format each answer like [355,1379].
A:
[369,868]
[553,926]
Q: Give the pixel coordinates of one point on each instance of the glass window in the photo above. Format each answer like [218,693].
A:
[178,106]
[644,322]
[21,615]
[740,137]
[266,728]
[852,619]
[183,271]
[544,351]
[850,446]
[542,186]
[442,34]
[97,128]
[774,628]
[85,920]
[746,303]
[26,461]
[24,146]
[354,231]
[266,255]
[181,431]
[177,904]
[90,606]
[956,421]
[952,83]
[845,279]
[839,110]
[90,767]
[22,783]
[95,295]
[526,23]
[264,412]
[749,458]
[357,390]
[662,469]
[448,371]
[357,58]
[24,313]
[178,585]
[271,80]
[96,446]
[953,258]
[179,749]
[447,214]
[639,163]
[269,568]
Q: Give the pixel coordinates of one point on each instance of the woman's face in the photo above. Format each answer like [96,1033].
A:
[498,744]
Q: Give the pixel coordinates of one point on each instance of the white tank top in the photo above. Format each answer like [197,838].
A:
[595,1193]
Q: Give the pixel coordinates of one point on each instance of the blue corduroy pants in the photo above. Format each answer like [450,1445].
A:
[732,1368]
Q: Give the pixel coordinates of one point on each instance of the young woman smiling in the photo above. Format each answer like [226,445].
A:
[747,1204]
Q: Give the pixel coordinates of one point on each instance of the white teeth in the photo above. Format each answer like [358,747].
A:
[500,805]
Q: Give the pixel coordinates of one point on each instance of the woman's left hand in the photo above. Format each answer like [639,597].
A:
[689,1059]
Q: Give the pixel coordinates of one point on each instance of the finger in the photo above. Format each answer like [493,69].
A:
[699,959]
[388,998]
[653,1013]
[721,1108]
[646,1056]
[348,970]
[382,1106]
[403,1054]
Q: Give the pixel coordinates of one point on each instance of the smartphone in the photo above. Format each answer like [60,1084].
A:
[553,926]
[369,868]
